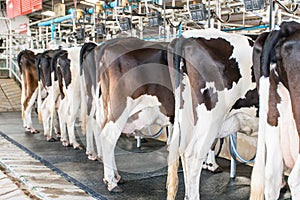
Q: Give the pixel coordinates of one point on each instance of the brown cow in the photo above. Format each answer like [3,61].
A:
[29,77]
[135,91]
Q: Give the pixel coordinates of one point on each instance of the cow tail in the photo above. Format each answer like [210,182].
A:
[83,106]
[22,82]
[174,59]
[39,98]
[37,65]
[82,55]
[268,52]
[177,56]
[39,101]
[53,66]
[19,59]
[85,49]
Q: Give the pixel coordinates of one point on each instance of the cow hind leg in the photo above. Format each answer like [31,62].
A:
[90,151]
[96,131]
[192,167]
[258,171]
[173,163]
[46,125]
[274,164]
[73,109]
[258,174]
[63,128]
[294,181]
[109,136]
[64,136]
[72,137]
[27,114]
[172,180]
[211,164]
[57,125]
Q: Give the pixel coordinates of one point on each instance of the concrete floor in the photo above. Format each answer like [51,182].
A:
[10,95]
[144,171]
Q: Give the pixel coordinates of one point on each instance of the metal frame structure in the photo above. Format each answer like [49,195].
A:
[11,66]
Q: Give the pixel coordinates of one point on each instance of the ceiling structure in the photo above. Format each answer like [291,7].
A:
[234,8]
[48,5]
[228,14]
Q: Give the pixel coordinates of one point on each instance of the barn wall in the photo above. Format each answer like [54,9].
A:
[15,23]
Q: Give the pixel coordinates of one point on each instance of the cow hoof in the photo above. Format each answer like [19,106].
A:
[91,157]
[204,166]
[78,147]
[87,152]
[31,130]
[65,143]
[116,190]
[51,140]
[34,131]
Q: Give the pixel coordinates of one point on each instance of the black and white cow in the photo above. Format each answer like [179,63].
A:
[277,69]
[89,100]
[210,71]
[65,65]
[47,94]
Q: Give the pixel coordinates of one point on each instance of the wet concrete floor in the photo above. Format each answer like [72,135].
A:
[144,170]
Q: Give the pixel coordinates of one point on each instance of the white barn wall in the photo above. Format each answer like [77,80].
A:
[15,23]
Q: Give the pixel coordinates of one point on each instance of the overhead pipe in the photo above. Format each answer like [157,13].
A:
[52,22]
[247,28]
[56,20]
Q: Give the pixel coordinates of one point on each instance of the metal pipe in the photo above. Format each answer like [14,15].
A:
[39,21]
[10,49]
[271,15]
[246,28]
[165,22]
[56,20]
[208,15]
[52,31]
[232,160]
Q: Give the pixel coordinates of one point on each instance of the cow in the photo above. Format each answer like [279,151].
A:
[133,91]
[47,94]
[65,66]
[276,64]
[29,78]
[90,97]
[210,71]
[89,100]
